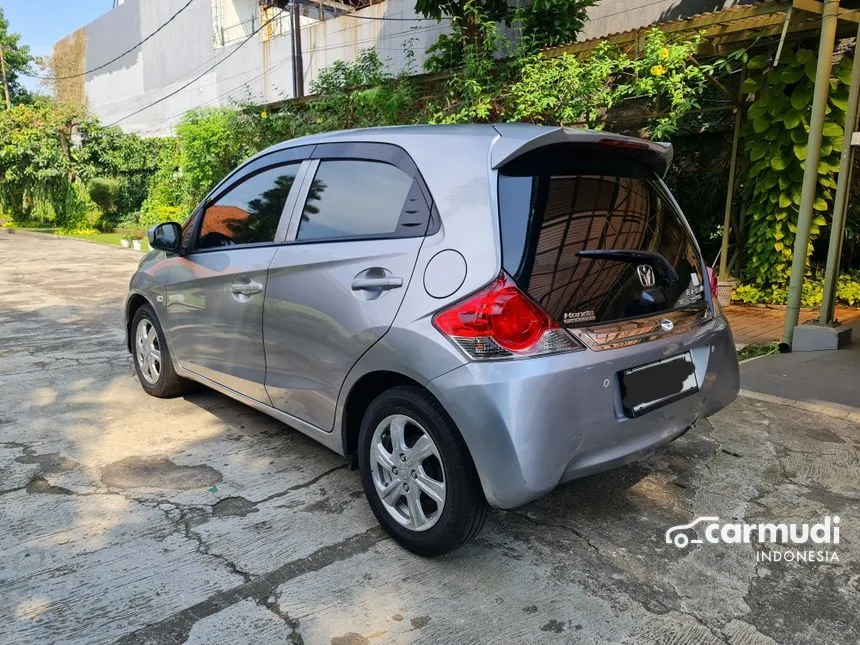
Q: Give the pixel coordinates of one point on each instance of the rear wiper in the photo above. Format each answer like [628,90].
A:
[624,255]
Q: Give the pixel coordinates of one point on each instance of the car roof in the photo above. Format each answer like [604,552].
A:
[505,140]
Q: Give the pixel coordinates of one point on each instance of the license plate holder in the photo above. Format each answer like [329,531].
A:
[650,386]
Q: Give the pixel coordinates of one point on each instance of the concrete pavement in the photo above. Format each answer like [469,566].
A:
[197,520]
[826,382]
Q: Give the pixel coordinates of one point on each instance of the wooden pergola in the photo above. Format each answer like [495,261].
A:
[757,25]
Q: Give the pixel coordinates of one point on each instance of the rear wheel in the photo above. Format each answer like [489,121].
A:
[417,473]
[152,360]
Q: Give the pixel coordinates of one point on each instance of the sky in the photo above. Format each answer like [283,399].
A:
[43,23]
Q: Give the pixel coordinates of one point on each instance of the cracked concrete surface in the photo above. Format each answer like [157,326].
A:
[128,519]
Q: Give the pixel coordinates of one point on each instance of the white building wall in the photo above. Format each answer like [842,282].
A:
[258,71]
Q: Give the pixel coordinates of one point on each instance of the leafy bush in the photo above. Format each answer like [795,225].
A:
[570,89]
[129,221]
[848,289]
[106,192]
[211,141]
[161,214]
[811,295]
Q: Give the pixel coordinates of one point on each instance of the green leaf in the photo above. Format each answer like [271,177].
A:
[819,220]
[779,162]
[790,75]
[758,151]
[784,200]
[839,98]
[843,73]
[792,119]
[778,246]
[758,62]
[801,97]
[819,204]
[810,68]
[804,56]
[799,136]
[781,215]
[800,152]
[757,167]
[761,124]
[832,129]
[749,86]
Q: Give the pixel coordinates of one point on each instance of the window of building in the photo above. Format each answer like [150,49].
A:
[234,20]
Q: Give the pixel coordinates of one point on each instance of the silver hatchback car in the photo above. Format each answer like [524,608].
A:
[476,314]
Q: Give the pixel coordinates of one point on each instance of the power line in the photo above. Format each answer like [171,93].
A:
[386,19]
[115,59]
[272,66]
[199,76]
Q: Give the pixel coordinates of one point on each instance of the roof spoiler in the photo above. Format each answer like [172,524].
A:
[511,144]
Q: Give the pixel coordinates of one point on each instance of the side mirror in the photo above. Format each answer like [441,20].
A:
[165,237]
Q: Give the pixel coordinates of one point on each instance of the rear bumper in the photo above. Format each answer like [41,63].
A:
[533,424]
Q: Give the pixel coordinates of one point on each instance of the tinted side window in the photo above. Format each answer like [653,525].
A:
[362,199]
[249,212]
[189,227]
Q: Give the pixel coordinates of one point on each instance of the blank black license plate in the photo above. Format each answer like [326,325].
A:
[649,386]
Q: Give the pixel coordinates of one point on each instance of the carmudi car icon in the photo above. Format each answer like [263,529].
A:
[675,535]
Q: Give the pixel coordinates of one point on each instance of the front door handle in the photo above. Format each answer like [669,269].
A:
[360,284]
[246,288]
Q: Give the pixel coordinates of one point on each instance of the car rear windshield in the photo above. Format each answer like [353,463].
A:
[593,237]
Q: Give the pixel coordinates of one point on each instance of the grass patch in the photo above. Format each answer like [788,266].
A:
[111,239]
[754,350]
[102,238]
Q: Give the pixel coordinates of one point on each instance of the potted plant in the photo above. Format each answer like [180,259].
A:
[137,241]
[125,241]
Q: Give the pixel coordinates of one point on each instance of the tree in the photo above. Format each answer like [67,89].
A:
[17,58]
[38,165]
[546,23]
[542,23]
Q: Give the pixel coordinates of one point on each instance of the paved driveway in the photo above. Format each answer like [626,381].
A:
[197,520]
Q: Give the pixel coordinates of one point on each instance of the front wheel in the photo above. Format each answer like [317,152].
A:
[152,360]
[417,473]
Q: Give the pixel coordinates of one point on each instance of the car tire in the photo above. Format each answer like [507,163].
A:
[419,466]
[152,361]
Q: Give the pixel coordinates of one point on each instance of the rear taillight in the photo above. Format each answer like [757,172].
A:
[502,322]
[712,281]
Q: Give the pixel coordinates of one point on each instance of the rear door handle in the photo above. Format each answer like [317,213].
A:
[246,288]
[359,284]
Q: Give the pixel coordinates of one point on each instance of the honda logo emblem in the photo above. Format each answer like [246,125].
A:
[646,275]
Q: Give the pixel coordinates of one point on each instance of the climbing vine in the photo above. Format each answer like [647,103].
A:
[775,139]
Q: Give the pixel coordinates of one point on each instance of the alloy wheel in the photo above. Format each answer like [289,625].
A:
[148,351]
[407,472]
